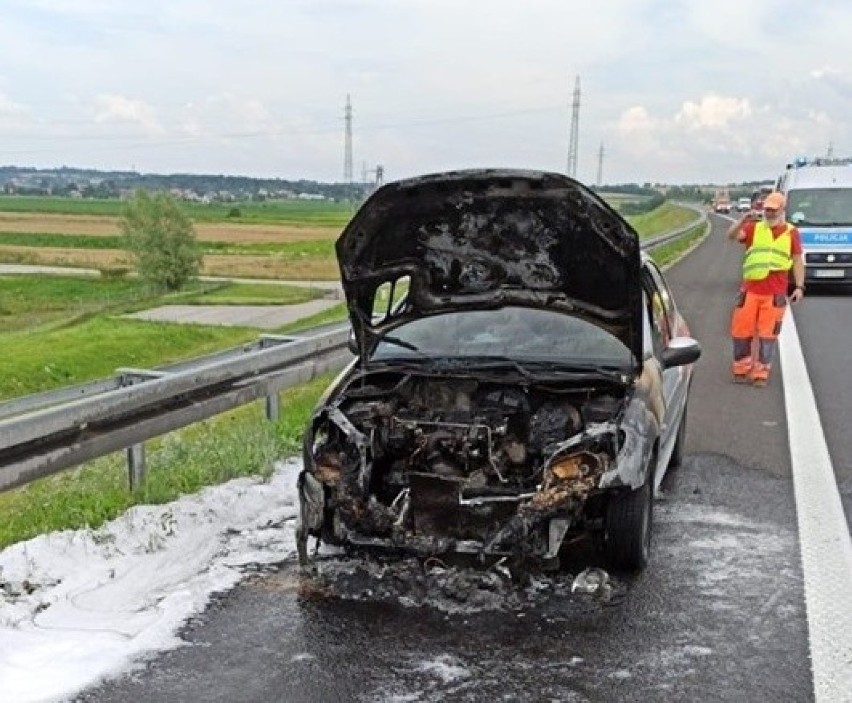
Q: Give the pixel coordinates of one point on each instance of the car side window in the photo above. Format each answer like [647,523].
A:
[663,288]
[657,314]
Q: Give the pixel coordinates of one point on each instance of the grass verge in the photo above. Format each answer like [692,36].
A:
[336,313]
[96,347]
[255,294]
[669,253]
[663,219]
[61,331]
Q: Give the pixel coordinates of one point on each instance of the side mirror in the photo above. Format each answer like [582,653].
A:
[681,351]
[352,342]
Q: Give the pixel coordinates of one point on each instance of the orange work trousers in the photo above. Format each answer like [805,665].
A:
[755,326]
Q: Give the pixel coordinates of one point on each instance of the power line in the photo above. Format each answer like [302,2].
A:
[110,142]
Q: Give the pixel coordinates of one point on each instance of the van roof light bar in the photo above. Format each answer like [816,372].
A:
[801,161]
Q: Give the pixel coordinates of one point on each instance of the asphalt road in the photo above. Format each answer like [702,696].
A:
[718,616]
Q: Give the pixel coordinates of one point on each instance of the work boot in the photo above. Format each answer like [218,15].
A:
[741,369]
[760,374]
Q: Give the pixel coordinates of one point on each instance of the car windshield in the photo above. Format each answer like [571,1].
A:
[820,206]
[523,335]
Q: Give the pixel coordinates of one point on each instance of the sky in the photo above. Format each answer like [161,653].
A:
[676,91]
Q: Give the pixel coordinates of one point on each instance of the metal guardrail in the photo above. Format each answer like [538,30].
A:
[48,432]
[44,433]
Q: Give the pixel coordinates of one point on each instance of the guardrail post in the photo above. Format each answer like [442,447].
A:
[136,466]
[273,407]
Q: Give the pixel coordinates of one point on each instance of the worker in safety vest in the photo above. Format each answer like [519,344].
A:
[773,249]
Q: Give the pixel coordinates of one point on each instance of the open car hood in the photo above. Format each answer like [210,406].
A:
[486,238]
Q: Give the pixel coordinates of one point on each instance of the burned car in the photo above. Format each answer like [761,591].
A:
[521,376]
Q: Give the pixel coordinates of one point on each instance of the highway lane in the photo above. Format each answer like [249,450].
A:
[745,423]
[824,323]
[719,616]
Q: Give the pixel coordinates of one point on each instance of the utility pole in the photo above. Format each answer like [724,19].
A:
[347,159]
[575,130]
[830,151]
[599,180]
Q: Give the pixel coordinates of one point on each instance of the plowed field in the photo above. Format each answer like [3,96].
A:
[205,231]
[226,265]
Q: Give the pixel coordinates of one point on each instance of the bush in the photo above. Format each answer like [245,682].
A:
[161,240]
[235,212]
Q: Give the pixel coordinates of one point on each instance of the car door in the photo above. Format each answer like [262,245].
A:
[666,324]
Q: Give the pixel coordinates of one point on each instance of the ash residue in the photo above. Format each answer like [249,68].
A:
[450,588]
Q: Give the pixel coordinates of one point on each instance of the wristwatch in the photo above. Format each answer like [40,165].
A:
[801,288]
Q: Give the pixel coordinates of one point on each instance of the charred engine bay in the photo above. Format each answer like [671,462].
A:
[437,464]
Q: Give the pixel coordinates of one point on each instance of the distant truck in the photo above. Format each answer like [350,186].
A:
[722,201]
[819,203]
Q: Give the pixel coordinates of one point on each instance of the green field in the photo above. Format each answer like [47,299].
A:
[30,302]
[94,348]
[299,251]
[61,330]
[83,241]
[303,212]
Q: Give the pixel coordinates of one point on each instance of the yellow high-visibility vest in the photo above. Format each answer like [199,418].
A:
[767,253]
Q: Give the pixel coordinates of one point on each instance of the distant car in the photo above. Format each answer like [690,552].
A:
[722,206]
[521,377]
[743,204]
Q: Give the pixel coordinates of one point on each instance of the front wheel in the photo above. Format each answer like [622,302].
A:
[627,529]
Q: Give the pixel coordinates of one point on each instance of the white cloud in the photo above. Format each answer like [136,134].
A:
[118,108]
[636,119]
[712,112]
[9,107]
[839,81]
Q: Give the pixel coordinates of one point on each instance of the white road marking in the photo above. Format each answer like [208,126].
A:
[823,533]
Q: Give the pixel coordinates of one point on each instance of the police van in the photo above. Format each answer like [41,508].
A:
[819,203]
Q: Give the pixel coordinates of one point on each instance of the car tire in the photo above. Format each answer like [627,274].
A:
[627,529]
[676,459]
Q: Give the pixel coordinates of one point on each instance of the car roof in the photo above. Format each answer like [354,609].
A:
[819,177]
